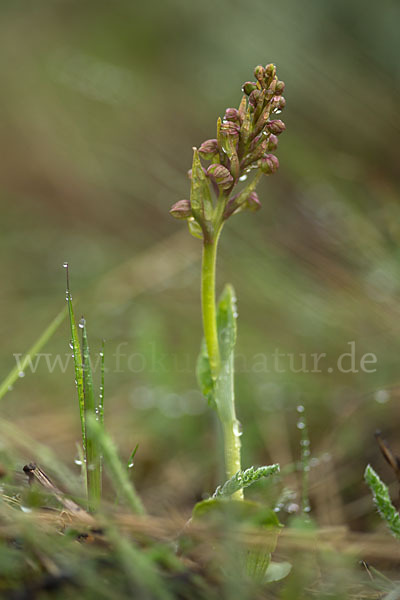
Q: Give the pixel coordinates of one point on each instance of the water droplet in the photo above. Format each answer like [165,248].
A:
[300,408]
[101,354]
[301,424]
[78,462]
[243,177]
[304,442]
[307,509]
[71,345]
[82,323]
[382,396]
[130,465]
[237,429]
[65,265]
[25,509]
[21,374]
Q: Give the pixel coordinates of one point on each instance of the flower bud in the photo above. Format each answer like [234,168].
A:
[275,126]
[252,203]
[280,87]
[272,142]
[239,203]
[259,73]
[253,98]
[269,164]
[248,87]
[231,114]
[208,149]
[221,176]
[181,209]
[230,129]
[270,70]
[282,103]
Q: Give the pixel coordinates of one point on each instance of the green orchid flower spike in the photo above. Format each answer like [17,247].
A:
[224,176]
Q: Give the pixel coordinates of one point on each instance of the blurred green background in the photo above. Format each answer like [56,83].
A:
[101,104]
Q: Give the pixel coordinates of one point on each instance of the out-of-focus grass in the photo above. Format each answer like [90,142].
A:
[101,105]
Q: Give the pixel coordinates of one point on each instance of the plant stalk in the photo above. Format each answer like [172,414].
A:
[221,374]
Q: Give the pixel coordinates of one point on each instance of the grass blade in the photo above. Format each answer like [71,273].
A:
[77,359]
[118,472]
[101,394]
[93,456]
[14,374]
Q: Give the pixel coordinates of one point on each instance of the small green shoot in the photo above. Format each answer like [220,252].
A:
[383,501]
[244,479]
[87,403]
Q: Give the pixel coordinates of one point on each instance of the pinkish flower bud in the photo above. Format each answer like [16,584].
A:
[231,114]
[221,176]
[230,129]
[208,149]
[275,126]
[269,164]
[248,87]
[253,98]
[252,203]
[280,87]
[237,204]
[259,73]
[282,103]
[272,142]
[181,209]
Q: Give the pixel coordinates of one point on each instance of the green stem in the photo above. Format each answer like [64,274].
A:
[223,377]
[208,305]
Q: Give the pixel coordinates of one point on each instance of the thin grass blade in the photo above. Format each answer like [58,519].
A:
[76,348]
[15,373]
[93,456]
[117,471]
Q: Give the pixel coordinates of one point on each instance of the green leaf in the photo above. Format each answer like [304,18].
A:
[277,571]
[244,479]
[382,501]
[203,373]
[226,322]
[195,229]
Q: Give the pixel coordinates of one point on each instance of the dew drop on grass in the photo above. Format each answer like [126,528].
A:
[300,424]
[300,408]
[65,265]
[130,465]
[78,462]
[243,177]
[237,429]
[71,345]
[21,374]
